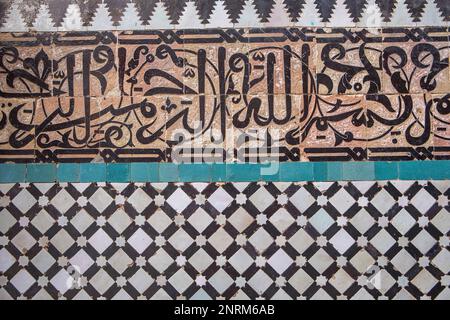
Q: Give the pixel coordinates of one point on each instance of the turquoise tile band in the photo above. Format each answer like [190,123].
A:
[230,172]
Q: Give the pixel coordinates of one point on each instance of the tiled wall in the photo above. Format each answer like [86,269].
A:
[221,95]
[340,240]
[269,149]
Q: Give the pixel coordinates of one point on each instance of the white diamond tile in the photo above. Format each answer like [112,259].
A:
[262,199]
[241,261]
[22,281]
[302,200]
[282,219]
[423,201]
[423,241]
[63,201]
[120,220]
[301,241]
[161,260]
[81,261]
[241,219]
[221,281]
[220,199]
[120,261]
[342,201]
[100,241]
[42,261]
[101,281]
[382,241]
[201,260]
[200,220]
[140,240]
[139,200]
[141,280]
[383,201]
[179,200]
[280,261]
[341,241]
[220,240]
[6,221]
[403,221]
[260,282]
[180,281]
[23,241]
[261,240]
[159,221]
[100,200]
[321,221]
[6,260]
[24,201]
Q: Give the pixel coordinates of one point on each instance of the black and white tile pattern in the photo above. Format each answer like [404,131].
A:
[63,15]
[340,240]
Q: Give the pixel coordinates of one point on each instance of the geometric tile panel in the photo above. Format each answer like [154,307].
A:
[49,15]
[322,240]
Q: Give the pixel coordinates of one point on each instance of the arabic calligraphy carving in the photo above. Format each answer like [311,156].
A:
[308,94]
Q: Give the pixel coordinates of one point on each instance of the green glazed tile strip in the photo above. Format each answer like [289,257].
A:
[225,172]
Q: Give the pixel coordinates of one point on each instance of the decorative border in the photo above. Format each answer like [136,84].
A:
[45,15]
[219,172]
